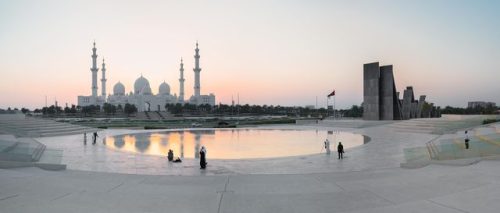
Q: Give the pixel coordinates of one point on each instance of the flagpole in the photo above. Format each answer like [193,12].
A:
[334,113]
[327,105]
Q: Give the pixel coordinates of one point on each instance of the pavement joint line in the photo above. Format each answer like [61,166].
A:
[115,187]
[321,182]
[62,196]
[8,197]
[383,198]
[446,206]
[222,194]
[339,186]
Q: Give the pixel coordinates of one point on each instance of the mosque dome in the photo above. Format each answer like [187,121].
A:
[141,86]
[164,89]
[147,91]
[119,89]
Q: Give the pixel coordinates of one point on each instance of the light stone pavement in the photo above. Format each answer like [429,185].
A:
[368,180]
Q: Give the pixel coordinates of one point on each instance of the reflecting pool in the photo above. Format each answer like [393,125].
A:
[234,143]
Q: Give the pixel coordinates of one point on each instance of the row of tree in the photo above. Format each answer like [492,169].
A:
[224,109]
[186,109]
[107,108]
[469,110]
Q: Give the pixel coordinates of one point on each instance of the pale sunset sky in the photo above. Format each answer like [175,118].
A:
[269,52]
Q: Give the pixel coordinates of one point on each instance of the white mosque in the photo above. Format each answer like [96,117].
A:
[142,96]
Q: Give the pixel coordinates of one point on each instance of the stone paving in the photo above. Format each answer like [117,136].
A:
[370,179]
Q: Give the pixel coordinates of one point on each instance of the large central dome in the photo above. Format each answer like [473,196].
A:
[141,86]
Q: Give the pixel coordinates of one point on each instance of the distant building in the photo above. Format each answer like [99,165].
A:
[483,104]
[142,96]
[381,100]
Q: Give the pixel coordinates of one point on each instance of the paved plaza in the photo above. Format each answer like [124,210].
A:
[370,179]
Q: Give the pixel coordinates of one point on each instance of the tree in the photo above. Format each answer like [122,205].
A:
[24,110]
[67,110]
[354,112]
[109,108]
[91,109]
[130,109]
[86,110]
[73,109]
[205,107]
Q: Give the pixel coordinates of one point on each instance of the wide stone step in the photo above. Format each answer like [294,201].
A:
[65,129]
[81,131]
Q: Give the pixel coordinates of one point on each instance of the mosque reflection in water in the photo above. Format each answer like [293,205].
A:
[160,143]
[230,143]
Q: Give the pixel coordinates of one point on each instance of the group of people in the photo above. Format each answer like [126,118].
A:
[203,157]
[94,138]
[340,149]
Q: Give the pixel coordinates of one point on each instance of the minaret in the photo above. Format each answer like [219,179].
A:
[197,71]
[103,80]
[181,83]
[94,72]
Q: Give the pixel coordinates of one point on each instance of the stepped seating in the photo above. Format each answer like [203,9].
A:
[27,152]
[23,150]
[150,116]
[350,123]
[7,142]
[435,125]
[160,115]
[33,127]
[18,149]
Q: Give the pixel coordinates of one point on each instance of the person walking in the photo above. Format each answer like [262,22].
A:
[327,146]
[466,140]
[340,150]
[203,160]
[95,138]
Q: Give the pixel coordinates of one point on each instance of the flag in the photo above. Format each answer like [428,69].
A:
[331,94]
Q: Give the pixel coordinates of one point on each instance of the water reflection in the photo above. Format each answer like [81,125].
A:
[233,143]
[118,142]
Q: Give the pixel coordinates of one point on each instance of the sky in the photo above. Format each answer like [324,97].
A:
[287,52]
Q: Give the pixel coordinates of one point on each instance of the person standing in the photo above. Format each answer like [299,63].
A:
[327,146]
[340,150]
[466,140]
[203,160]
[84,138]
[95,138]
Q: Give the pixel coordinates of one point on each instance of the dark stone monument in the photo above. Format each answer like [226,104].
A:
[371,90]
[381,100]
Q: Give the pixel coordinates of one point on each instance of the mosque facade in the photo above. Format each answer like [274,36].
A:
[142,96]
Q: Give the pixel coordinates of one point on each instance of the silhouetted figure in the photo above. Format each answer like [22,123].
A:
[170,155]
[203,160]
[327,146]
[466,140]
[177,160]
[340,150]
[95,138]
[84,138]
